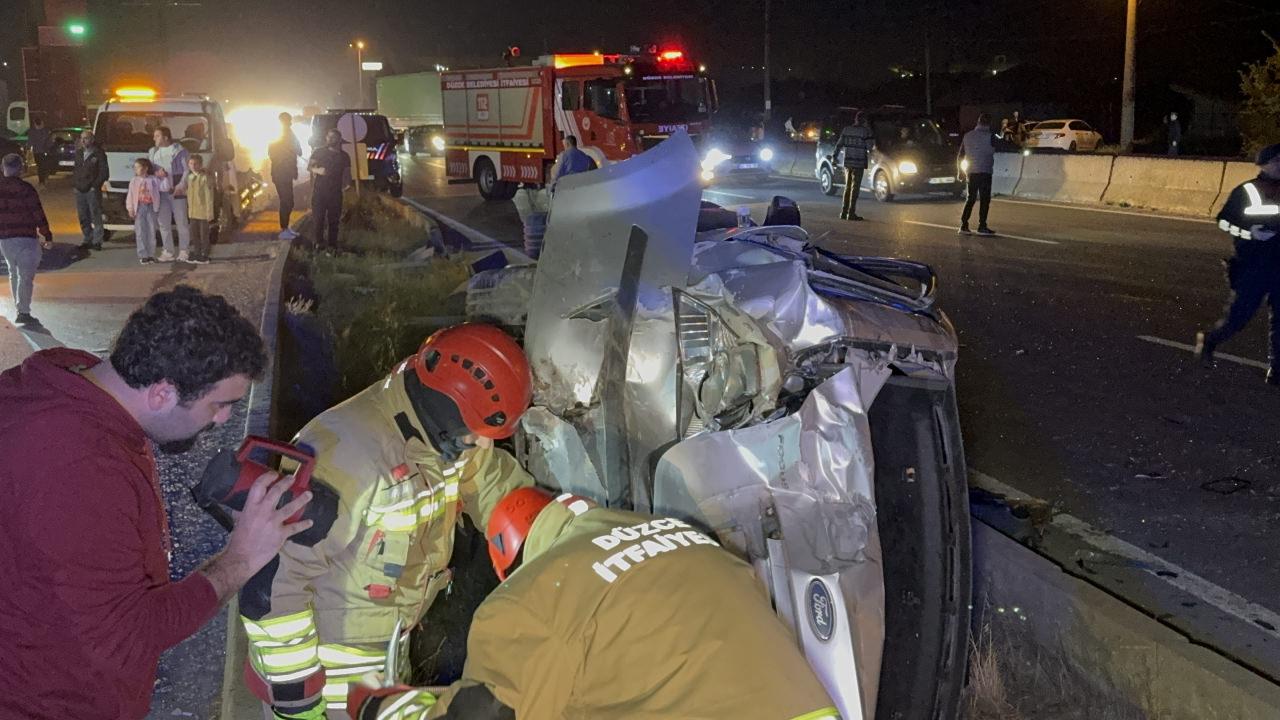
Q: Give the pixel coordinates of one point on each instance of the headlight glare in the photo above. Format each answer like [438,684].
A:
[766,154]
[906,167]
[713,158]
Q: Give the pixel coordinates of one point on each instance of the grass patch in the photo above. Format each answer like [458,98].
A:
[372,309]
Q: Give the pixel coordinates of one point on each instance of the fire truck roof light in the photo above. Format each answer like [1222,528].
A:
[136,93]
[672,55]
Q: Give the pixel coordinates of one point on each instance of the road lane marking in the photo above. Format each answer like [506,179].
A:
[1105,210]
[1208,592]
[954,228]
[1192,348]
[732,195]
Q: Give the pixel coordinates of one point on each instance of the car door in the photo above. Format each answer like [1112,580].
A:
[1077,133]
[601,119]
[1091,138]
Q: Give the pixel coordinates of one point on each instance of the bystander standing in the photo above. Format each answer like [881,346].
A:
[284,154]
[170,159]
[977,156]
[571,161]
[21,217]
[88,604]
[199,191]
[143,204]
[852,151]
[89,178]
[330,169]
[40,140]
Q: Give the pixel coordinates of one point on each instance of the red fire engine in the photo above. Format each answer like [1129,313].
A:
[505,126]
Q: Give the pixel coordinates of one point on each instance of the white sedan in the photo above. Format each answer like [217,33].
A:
[1070,135]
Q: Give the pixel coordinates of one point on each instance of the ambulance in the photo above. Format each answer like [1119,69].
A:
[505,126]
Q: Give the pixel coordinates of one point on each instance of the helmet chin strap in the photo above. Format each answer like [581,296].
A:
[439,416]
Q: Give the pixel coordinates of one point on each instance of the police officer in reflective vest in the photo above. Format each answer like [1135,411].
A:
[405,456]
[605,614]
[1252,217]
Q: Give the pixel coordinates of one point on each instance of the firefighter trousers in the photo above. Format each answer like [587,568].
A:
[1254,277]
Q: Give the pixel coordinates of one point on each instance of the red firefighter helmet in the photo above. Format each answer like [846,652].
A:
[509,525]
[483,371]
[512,518]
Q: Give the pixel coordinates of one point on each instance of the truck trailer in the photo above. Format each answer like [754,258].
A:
[506,126]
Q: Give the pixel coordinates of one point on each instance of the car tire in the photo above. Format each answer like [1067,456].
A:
[827,180]
[881,188]
[922,511]
[1072,146]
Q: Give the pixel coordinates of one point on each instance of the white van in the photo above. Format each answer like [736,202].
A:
[124,127]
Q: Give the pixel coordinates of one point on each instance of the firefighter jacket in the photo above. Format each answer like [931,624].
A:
[620,615]
[1252,204]
[335,605]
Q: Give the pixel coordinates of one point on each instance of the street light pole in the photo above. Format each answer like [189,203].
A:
[768,100]
[360,71]
[1130,60]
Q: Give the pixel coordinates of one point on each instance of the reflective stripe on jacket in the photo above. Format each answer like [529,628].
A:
[386,557]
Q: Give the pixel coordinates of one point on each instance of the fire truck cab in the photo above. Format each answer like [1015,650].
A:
[506,126]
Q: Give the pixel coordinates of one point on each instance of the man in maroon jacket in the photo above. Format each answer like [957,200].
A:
[86,604]
[21,215]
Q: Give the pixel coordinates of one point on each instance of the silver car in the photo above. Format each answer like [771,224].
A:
[797,403]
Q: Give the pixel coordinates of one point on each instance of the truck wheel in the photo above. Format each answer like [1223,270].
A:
[922,500]
[827,180]
[491,188]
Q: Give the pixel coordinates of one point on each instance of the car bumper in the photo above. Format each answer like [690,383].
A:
[921,184]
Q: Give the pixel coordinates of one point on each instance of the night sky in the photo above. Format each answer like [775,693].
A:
[296,52]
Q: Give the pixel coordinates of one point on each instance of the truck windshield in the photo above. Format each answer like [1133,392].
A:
[132,131]
[666,99]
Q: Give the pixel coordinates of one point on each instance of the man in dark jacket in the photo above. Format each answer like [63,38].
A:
[21,216]
[330,168]
[852,150]
[284,154]
[41,142]
[88,604]
[1251,216]
[88,178]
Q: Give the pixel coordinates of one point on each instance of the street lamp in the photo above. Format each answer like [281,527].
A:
[359,46]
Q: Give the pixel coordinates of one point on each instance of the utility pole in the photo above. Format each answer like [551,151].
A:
[768,100]
[928,77]
[1130,58]
[359,46]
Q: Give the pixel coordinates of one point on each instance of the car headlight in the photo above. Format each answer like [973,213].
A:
[766,154]
[437,142]
[708,176]
[964,165]
[720,372]
[1026,153]
[906,167]
[713,158]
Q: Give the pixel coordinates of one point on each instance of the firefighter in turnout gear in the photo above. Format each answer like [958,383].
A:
[405,456]
[1251,216]
[606,614]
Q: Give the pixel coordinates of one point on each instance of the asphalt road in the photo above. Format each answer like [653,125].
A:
[1072,384]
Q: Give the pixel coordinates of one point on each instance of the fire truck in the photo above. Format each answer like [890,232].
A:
[506,126]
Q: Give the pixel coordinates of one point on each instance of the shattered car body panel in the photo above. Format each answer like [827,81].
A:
[727,377]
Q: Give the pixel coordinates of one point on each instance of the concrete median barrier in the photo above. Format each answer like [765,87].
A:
[1065,178]
[1181,186]
[1234,174]
[1007,172]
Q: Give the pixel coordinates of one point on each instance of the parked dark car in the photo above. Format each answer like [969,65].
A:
[62,158]
[427,139]
[380,142]
[910,156]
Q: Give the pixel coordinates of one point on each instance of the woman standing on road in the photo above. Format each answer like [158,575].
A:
[170,161]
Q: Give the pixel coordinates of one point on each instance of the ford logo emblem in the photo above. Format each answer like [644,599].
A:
[821,609]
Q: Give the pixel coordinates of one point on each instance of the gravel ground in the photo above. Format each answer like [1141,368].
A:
[190,678]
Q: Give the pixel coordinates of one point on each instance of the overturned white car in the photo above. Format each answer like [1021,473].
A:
[798,404]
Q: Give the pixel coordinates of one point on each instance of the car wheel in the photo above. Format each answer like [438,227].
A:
[880,187]
[827,180]
[1072,146]
[927,553]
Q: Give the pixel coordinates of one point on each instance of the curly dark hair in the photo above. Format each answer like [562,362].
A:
[189,338]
